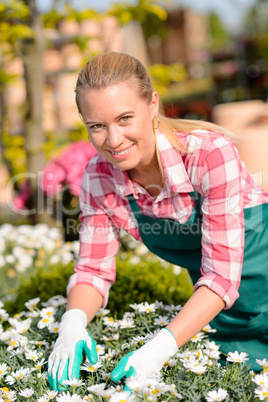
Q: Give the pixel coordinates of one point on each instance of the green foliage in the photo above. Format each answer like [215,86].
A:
[12,27]
[150,281]
[163,75]
[140,12]
[220,38]
[146,280]
[43,283]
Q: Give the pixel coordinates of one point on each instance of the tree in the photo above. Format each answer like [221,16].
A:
[32,56]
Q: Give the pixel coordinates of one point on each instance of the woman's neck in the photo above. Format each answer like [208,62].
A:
[151,179]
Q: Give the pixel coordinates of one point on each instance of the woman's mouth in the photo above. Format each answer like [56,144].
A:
[121,154]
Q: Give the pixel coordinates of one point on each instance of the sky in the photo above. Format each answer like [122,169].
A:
[231,12]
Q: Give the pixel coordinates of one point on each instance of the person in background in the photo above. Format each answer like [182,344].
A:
[180,187]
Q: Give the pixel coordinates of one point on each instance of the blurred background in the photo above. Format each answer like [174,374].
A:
[208,59]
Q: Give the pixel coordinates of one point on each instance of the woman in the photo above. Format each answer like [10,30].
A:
[180,187]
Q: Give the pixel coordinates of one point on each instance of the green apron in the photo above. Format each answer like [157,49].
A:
[243,327]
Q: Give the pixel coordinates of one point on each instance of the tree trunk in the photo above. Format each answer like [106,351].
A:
[32,55]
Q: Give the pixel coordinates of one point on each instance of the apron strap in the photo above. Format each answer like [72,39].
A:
[134,206]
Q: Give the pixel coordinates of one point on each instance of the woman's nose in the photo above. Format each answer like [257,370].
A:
[114,137]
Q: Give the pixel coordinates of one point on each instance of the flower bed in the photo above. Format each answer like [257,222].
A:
[36,262]
[193,374]
[24,248]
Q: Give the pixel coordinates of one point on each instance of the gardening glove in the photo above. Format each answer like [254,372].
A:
[66,357]
[149,359]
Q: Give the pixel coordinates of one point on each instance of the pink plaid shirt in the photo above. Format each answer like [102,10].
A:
[213,168]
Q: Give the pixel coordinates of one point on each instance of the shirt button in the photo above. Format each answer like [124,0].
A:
[133,224]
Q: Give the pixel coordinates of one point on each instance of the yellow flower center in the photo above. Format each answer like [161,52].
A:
[45,320]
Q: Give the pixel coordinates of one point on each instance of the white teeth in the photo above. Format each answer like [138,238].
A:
[120,153]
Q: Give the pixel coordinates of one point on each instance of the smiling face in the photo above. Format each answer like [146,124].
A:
[119,124]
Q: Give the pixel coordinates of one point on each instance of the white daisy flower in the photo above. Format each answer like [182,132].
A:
[88,398]
[211,345]
[261,393]
[32,303]
[54,327]
[147,308]
[27,393]
[96,388]
[127,323]
[198,337]
[102,312]
[74,382]
[110,323]
[32,355]
[136,384]
[263,363]
[48,312]
[91,368]
[39,364]
[3,314]
[218,395]
[100,349]
[7,395]
[122,396]
[67,397]
[161,321]
[208,329]
[110,355]
[99,390]
[45,322]
[23,326]
[115,336]
[172,389]
[3,369]
[51,394]
[171,308]
[43,398]
[237,357]
[198,368]
[138,339]
[212,354]
[55,301]
[21,374]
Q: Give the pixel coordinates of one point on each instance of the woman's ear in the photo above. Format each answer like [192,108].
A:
[155,103]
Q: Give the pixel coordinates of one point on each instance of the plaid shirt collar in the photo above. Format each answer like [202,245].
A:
[176,177]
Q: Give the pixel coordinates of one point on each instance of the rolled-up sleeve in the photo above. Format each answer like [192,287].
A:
[223,221]
[99,244]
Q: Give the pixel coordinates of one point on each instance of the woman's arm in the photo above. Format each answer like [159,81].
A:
[199,310]
[86,298]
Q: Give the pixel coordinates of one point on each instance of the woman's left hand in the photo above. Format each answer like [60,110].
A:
[149,359]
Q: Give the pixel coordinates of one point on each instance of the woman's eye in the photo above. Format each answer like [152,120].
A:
[96,126]
[125,118]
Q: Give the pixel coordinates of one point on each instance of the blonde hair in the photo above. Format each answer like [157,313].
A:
[111,68]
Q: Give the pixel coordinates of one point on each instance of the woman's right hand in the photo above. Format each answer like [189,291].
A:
[73,341]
